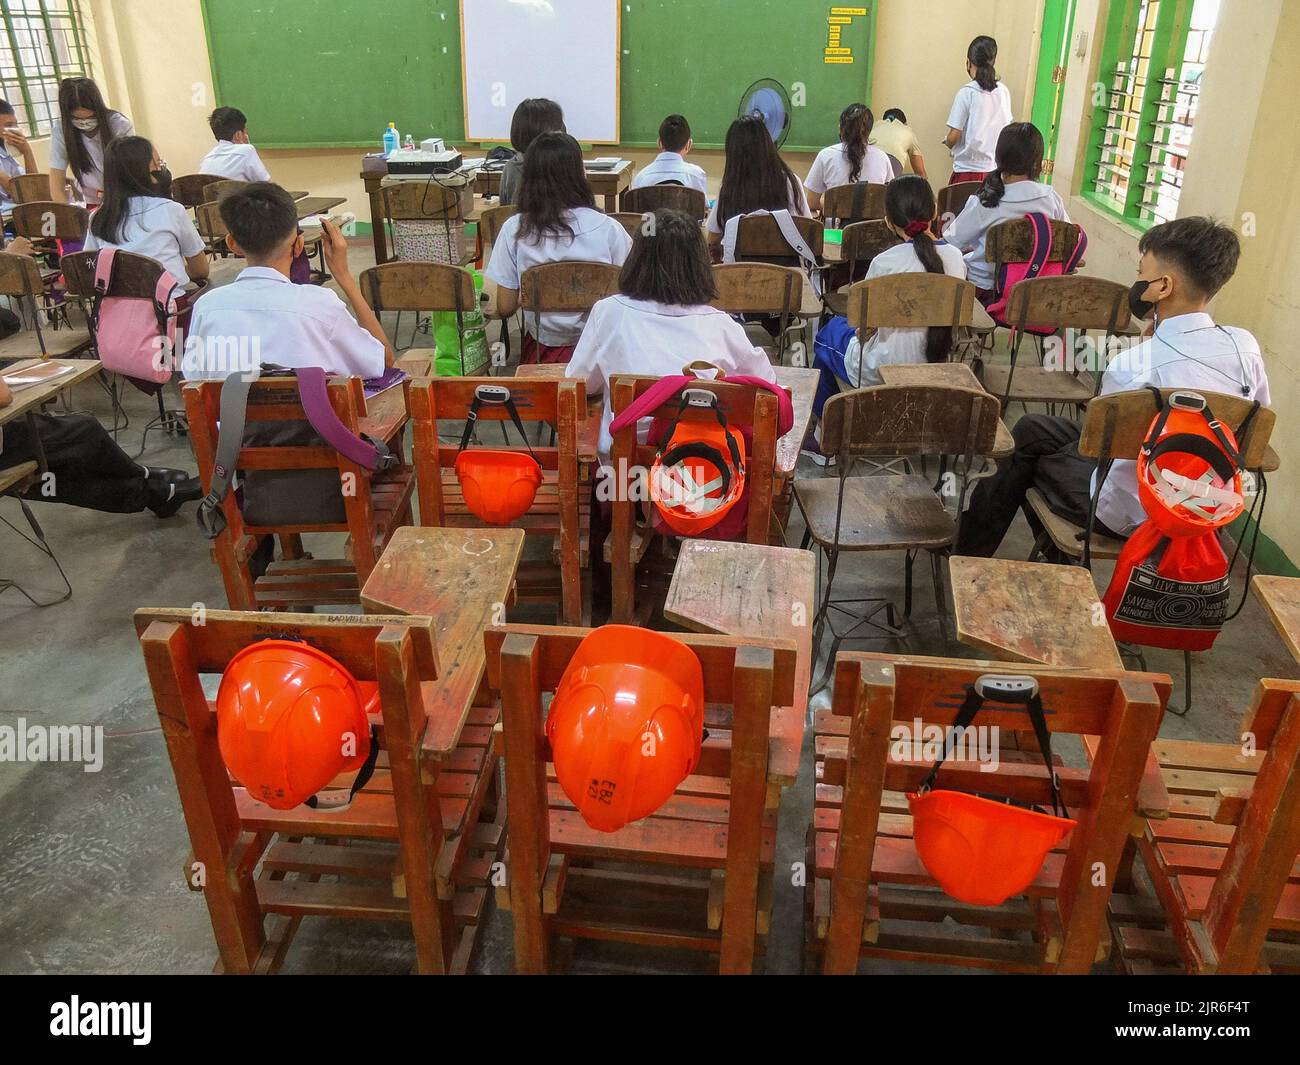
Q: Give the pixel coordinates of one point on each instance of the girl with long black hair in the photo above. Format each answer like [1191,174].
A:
[850,161]
[754,178]
[557,221]
[1011,191]
[137,215]
[979,111]
[86,126]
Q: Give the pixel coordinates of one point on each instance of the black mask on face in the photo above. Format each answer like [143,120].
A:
[1141,308]
[162,181]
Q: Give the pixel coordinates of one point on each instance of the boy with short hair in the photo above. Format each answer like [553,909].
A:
[1183,266]
[233,156]
[13,141]
[670,165]
[291,325]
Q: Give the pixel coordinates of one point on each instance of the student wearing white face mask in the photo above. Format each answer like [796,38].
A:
[16,159]
[84,128]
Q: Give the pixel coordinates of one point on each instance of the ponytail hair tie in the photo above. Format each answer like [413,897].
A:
[916,228]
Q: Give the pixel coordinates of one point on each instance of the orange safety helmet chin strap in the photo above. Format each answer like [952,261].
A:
[498,485]
[687,503]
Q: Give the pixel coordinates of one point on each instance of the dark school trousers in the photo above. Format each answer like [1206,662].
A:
[1047,458]
[89,469]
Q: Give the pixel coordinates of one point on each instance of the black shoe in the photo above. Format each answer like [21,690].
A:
[169,476]
[173,495]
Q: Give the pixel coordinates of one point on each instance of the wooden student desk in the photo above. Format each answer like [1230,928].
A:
[763,592]
[953,374]
[463,579]
[29,399]
[1036,612]
[1280,597]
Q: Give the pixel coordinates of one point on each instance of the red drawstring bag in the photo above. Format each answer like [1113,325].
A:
[1170,587]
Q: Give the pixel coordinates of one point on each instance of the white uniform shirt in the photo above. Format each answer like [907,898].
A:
[161,229]
[597,238]
[797,206]
[832,168]
[238,162]
[627,336]
[1188,351]
[891,347]
[968,230]
[981,117]
[262,317]
[670,166]
[92,182]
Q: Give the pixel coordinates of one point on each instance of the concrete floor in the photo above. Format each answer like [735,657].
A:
[91,863]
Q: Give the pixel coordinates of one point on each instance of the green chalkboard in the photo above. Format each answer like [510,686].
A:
[333,73]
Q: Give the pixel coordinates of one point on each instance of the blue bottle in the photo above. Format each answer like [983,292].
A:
[392,140]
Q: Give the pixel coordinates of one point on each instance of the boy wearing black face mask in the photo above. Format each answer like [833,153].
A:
[1183,266]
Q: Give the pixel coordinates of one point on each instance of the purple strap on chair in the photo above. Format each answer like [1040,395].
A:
[314,393]
[667,388]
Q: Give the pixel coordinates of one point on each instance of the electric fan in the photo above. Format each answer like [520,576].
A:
[768,99]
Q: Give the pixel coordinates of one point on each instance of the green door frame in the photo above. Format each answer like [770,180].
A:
[1049,80]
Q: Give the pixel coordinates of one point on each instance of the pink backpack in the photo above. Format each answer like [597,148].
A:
[1011,274]
[127,328]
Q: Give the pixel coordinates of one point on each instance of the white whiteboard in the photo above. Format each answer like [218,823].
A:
[566,50]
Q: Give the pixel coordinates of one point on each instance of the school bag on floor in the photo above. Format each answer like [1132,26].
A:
[1170,587]
[133,335]
[284,497]
[1011,274]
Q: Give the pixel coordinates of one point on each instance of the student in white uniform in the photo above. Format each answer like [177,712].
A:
[138,216]
[979,111]
[661,319]
[1011,191]
[262,317]
[531,119]
[1184,264]
[850,161]
[909,211]
[16,155]
[233,156]
[754,178]
[557,221]
[670,165]
[79,136]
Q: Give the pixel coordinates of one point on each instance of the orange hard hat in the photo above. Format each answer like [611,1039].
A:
[698,474]
[498,486]
[290,719]
[626,723]
[1189,469]
[981,851]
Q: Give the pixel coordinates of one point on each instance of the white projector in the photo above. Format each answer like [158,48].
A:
[405,161]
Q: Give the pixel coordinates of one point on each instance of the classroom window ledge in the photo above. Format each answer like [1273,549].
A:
[1106,213]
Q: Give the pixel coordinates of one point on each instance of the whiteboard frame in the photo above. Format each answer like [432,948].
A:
[618,82]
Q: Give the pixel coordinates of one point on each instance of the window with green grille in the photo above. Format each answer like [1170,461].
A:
[1153,60]
[43,42]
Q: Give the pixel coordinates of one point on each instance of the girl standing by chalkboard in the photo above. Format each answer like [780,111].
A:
[84,128]
[980,110]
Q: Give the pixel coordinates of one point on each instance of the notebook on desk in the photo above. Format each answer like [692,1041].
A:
[394,375]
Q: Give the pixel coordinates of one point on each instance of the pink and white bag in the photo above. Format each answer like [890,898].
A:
[130,330]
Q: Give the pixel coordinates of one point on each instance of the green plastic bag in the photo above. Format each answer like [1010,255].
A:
[464,352]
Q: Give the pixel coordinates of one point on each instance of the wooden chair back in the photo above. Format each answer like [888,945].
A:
[190,190]
[1074,302]
[844,205]
[760,240]
[911,301]
[134,276]
[863,241]
[715,821]
[212,228]
[568,285]
[44,220]
[20,277]
[759,288]
[665,197]
[1116,424]
[909,420]
[375,504]
[28,188]
[491,221]
[418,286]
[406,201]
[1013,242]
[952,200]
[867,850]
[745,407]
[632,221]
[394,838]
[558,509]
[221,188]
